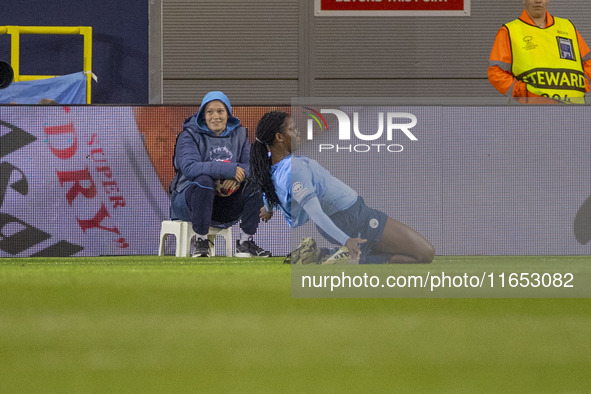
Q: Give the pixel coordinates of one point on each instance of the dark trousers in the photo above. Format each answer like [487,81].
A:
[207,209]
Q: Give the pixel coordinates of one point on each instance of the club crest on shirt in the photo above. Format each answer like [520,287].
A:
[565,48]
[374,223]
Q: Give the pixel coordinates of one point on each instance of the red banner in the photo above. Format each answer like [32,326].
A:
[392,7]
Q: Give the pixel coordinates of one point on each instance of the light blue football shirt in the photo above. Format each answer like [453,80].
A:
[298,179]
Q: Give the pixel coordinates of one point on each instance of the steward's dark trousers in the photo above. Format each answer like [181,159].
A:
[207,209]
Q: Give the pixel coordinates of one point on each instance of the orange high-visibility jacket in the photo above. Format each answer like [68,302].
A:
[500,70]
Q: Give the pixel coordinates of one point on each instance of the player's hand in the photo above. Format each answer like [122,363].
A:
[264,215]
[353,245]
[240,174]
[229,184]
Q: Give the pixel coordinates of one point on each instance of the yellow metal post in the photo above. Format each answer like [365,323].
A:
[15,48]
[87,33]
[16,31]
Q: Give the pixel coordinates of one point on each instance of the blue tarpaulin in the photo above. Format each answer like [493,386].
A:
[65,89]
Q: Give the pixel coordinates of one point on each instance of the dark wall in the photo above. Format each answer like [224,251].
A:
[120,44]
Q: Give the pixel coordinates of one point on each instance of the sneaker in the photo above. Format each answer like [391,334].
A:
[250,249]
[202,247]
[287,259]
[306,253]
[341,256]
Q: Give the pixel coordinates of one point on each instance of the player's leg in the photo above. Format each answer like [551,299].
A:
[404,244]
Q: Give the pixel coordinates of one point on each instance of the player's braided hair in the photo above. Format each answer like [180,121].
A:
[260,161]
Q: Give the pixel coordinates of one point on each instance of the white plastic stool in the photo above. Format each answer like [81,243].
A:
[224,232]
[183,231]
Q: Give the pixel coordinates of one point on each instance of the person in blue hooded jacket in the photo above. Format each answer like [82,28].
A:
[211,162]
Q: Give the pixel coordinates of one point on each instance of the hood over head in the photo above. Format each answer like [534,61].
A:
[197,121]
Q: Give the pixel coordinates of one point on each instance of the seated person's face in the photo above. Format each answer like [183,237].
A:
[216,116]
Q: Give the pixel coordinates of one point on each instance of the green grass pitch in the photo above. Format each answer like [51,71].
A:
[146,324]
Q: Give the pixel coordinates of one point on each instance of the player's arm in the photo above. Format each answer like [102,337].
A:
[266,210]
[321,219]
[303,191]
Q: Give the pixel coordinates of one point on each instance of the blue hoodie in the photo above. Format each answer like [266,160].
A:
[199,151]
